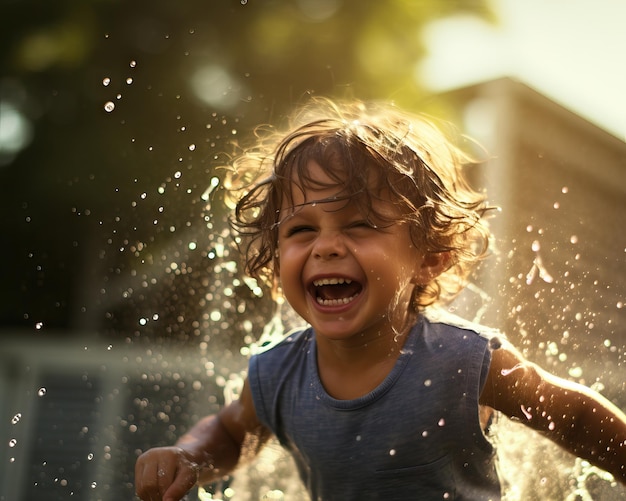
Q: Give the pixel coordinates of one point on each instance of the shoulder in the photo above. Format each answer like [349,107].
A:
[273,359]
[447,324]
[465,345]
[275,345]
[277,369]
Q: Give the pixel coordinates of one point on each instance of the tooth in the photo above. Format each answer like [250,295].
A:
[335,302]
[331,281]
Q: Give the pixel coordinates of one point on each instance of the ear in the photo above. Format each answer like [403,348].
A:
[433,264]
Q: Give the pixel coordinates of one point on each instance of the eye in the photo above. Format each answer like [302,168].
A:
[298,229]
[362,224]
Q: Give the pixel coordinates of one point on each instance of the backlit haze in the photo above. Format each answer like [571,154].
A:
[570,50]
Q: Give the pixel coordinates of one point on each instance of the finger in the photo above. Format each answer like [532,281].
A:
[142,483]
[146,486]
[166,473]
[186,478]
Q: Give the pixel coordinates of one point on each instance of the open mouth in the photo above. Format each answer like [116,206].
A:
[335,291]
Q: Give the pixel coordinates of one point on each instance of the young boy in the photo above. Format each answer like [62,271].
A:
[364,221]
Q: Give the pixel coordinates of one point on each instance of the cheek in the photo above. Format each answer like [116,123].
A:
[283,256]
[288,264]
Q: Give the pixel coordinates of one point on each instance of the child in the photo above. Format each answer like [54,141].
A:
[365,221]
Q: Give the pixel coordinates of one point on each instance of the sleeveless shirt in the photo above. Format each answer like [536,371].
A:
[417,436]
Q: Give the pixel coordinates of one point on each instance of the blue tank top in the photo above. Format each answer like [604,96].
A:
[417,436]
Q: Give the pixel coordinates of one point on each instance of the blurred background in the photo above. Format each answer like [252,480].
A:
[124,316]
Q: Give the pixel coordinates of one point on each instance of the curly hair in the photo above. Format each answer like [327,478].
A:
[412,162]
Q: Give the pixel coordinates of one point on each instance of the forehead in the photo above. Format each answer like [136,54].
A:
[313,176]
[334,190]
[311,182]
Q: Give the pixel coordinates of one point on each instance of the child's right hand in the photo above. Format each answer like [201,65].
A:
[165,474]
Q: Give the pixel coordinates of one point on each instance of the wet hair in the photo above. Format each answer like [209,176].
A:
[370,152]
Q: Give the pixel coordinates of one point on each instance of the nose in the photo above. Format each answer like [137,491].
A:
[329,245]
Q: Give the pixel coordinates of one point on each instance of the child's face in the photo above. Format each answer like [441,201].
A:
[337,270]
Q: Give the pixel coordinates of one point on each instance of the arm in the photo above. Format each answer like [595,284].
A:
[209,451]
[578,419]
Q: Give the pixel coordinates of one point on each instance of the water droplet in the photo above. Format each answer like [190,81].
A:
[575,372]
[536,246]
[90,456]
[12,442]
[42,391]
[94,485]
[133,64]
[192,147]
[106,81]
[441,422]
[573,239]
[428,382]
[526,412]
[109,106]
[392,452]
[129,81]
[16,418]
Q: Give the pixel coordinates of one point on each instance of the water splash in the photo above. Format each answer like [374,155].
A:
[506,372]
[538,269]
[583,472]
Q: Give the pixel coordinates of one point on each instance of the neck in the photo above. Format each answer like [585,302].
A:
[361,349]
[351,370]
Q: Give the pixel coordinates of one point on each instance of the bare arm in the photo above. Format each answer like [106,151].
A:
[210,450]
[573,416]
